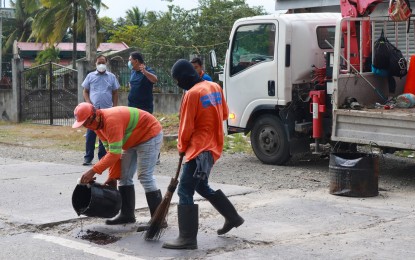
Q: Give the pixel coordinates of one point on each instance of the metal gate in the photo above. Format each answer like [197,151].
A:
[49,94]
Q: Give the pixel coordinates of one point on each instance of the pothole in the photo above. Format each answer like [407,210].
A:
[98,237]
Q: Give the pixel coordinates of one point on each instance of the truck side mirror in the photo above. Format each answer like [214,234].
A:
[213,61]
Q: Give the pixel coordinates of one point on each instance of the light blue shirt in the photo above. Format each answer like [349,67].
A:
[100,88]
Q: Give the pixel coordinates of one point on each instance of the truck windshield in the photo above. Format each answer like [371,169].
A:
[251,45]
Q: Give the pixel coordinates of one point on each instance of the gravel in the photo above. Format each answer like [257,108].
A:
[307,172]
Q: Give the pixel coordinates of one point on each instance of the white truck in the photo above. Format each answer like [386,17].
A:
[287,79]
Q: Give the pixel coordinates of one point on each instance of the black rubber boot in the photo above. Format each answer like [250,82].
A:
[188,226]
[153,200]
[227,210]
[126,214]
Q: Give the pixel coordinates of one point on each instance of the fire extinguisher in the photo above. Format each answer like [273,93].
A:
[317,108]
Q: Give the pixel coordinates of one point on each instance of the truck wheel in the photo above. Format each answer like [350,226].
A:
[269,140]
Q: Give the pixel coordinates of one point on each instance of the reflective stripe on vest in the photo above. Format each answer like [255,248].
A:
[116,147]
[134,116]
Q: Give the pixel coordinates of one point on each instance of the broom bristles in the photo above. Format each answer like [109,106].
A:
[156,223]
[155,229]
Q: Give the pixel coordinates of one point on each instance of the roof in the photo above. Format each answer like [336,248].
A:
[67,46]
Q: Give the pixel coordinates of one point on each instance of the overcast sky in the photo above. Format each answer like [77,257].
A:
[117,8]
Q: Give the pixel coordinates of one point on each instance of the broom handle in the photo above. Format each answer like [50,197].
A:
[179,167]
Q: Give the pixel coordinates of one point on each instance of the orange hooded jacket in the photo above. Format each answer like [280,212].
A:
[202,112]
[123,128]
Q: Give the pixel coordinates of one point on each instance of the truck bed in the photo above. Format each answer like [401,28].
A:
[387,128]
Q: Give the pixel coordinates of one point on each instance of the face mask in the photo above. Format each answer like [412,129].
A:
[130,66]
[96,123]
[92,126]
[101,67]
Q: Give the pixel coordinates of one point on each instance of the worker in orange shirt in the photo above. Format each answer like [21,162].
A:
[201,139]
[132,138]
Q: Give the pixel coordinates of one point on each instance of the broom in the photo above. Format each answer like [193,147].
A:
[156,222]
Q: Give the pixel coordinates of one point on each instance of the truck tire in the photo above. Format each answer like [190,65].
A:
[269,140]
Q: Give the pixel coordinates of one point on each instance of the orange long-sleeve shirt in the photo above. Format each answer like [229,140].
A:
[202,112]
[123,128]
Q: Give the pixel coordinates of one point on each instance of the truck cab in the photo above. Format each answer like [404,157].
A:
[289,79]
[268,77]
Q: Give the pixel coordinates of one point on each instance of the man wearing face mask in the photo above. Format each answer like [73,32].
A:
[101,90]
[141,83]
[200,139]
[133,138]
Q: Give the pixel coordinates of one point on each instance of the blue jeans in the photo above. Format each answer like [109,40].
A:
[141,159]
[91,138]
[188,185]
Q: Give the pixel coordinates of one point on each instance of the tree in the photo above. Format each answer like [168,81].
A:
[47,55]
[56,17]
[179,33]
[213,30]
[106,27]
[21,25]
[135,17]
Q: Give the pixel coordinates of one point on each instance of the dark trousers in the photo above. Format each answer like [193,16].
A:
[91,138]
[188,185]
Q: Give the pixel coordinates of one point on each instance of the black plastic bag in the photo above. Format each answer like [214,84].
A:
[388,57]
[381,52]
[398,66]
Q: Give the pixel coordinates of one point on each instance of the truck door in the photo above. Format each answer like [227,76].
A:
[250,76]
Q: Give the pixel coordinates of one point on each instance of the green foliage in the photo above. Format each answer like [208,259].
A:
[20,28]
[178,32]
[48,54]
[405,153]
[132,35]
[167,36]
[169,145]
[55,17]
[135,17]
[237,143]
[169,122]
[105,28]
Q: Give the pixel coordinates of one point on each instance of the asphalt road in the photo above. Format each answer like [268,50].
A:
[288,211]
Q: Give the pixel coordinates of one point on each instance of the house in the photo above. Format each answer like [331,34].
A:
[29,50]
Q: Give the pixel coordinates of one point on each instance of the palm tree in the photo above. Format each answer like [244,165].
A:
[56,17]
[135,17]
[22,24]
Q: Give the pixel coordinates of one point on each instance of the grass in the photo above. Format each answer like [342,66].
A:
[237,143]
[42,136]
[405,153]
[65,137]
[170,122]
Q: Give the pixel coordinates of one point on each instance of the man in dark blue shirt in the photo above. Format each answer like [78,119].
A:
[141,83]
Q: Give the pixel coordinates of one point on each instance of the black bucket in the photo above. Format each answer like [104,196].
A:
[96,200]
[354,174]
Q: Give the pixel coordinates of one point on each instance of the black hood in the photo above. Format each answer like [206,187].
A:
[185,74]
